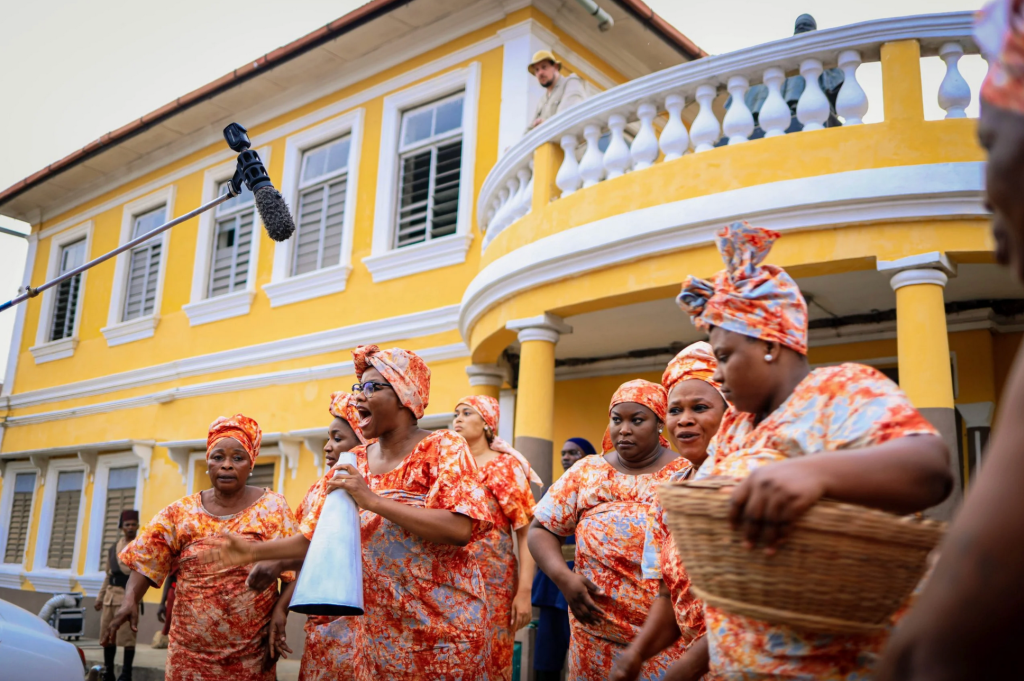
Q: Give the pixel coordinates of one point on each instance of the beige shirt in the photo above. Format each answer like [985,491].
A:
[566,93]
[114,595]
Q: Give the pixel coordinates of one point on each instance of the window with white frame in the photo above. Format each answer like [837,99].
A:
[232,243]
[64,530]
[144,267]
[120,497]
[21,516]
[321,199]
[65,299]
[430,168]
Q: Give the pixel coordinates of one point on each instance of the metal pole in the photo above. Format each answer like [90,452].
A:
[33,292]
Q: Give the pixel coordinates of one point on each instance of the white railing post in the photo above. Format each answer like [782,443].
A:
[616,156]
[675,141]
[645,145]
[705,130]
[568,177]
[775,115]
[954,92]
[592,163]
[852,101]
[739,122]
[812,110]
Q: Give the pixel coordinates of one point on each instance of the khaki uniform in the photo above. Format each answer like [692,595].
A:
[566,93]
[111,598]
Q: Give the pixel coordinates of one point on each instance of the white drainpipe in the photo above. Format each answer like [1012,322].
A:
[605,20]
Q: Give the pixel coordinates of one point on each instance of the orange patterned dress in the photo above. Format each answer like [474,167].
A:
[607,511]
[850,406]
[425,613]
[217,630]
[510,505]
[327,653]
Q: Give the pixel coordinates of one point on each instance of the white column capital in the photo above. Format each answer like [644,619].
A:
[914,277]
[545,327]
[486,374]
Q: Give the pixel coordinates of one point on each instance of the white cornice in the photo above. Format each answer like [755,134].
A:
[943,190]
[389,329]
[229,385]
[867,38]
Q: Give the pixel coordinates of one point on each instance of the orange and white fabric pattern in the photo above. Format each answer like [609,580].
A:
[849,406]
[240,427]
[607,512]
[639,391]
[748,297]
[425,610]
[999,32]
[217,628]
[344,408]
[407,373]
[694,362]
[490,412]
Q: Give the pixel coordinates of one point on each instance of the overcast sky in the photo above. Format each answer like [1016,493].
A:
[72,71]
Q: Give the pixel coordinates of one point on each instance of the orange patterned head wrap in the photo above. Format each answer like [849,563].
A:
[999,32]
[242,428]
[404,370]
[696,361]
[343,408]
[639,391]
[490,412]
[747,297]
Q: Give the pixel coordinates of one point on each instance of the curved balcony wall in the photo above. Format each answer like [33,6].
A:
[674,164]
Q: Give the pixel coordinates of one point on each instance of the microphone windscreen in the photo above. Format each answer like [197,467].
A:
[277,219]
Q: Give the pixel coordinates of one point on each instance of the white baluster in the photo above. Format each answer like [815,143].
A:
[568,177]
[528,196]
[738,123]
[954,92]
[812,110]
[852,101]
[499,215]
[645,145]
[510,207]
[705,130]
[489,219]
[525,196]
[616,156]
[775,115]
[592,163]
[674,139]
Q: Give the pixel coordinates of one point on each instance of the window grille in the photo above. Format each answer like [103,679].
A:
[120,497]
[65,302]
[144,267]
[232,243]
[21,514]
[322,195]
[65,520]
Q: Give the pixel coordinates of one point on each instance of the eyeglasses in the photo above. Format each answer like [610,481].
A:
[369,387]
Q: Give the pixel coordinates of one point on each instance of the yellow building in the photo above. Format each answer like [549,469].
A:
[539,268]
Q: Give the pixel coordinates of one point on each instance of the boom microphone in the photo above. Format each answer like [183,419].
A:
[274,213]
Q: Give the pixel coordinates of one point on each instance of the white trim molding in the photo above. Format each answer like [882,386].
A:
[916,277]
[386,262]
[118,332]
[386,330]
[46,350]
[45,526]
[101,480]
[283,288]
[546,327]
[10,472]
[941,190]
[19,322]
[202,309]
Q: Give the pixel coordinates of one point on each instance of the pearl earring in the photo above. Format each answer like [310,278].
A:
[768,357]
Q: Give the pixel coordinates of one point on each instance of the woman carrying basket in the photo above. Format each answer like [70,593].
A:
[793,437]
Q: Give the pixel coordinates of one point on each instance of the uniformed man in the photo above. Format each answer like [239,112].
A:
[562,92]
[112,594]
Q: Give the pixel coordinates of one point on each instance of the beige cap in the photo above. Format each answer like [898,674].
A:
[543,55]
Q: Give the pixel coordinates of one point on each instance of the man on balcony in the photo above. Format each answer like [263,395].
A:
[563,92]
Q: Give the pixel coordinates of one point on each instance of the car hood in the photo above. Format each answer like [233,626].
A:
[19,617]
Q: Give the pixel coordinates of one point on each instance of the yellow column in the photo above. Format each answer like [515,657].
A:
[547,159]
[535,398]
[926,375]
[901,81]
[486,379]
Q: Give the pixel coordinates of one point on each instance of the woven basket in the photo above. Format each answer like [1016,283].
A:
[842,569]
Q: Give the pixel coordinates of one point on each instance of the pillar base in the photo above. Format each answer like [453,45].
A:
[540,453]
[944,420]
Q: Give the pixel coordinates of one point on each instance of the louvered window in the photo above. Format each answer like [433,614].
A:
[65,302]
[430,168]
[65,520]
[323,185]
[120,497]
[21,514]
[144,267]
[232,244]
[262,476]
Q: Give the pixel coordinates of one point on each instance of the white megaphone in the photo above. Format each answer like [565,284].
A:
[331,579]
